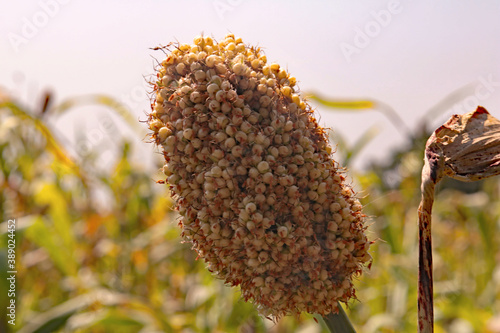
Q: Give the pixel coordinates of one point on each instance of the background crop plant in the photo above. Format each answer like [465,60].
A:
[98,249]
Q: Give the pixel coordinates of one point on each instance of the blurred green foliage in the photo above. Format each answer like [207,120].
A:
[88,264]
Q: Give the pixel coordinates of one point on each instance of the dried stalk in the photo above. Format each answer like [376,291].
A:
[466,148]
[425,287]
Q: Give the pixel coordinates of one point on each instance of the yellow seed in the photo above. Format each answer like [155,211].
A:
[211,60]
[198,40]
[209,41]
[256,63]
[239,68]
[170,60]
[180,68]
[282,231]
[332,226]
[185,47]
[208,49]
[263,166]
[282,74]
[258,281]
[163,133]
[155,125]
[200,75]
[201,55]
[240,48]
[268,178]
[287,91]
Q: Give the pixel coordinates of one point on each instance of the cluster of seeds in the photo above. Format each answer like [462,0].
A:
[259,195]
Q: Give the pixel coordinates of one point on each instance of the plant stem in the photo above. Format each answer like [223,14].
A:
[338,322]
[431,174]
[425,280]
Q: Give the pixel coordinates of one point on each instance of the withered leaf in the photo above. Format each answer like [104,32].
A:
[466,147]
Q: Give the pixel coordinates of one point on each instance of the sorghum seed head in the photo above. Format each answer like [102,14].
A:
[251,172]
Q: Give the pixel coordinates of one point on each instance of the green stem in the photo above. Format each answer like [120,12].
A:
[339,322]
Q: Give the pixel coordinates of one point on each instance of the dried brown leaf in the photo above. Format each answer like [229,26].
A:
[469,145]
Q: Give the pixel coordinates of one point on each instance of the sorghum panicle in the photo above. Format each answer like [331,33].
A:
[259,195]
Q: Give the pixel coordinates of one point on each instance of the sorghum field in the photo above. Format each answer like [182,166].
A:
[99,249]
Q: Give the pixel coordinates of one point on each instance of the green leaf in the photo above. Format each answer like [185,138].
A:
[53,324]
[352,105]
[363,105]
[53,146]
[51,242]
[51,195]
[339,322]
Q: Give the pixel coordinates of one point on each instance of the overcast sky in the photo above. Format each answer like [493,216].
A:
[407,54]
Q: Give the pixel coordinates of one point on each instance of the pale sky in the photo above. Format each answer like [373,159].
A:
[407,54]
